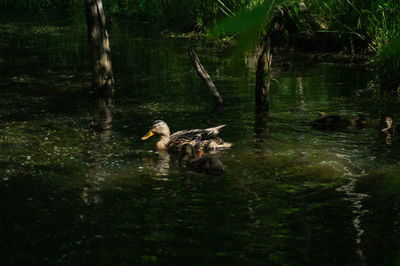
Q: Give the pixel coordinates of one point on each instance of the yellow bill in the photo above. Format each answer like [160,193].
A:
[148,135]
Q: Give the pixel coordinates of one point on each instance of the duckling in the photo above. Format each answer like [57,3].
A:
[358,121]
[336,122]
[202,163]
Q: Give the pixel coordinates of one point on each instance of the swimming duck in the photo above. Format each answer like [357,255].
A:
[337,122]
[389,128]
[198,138]
[202,163]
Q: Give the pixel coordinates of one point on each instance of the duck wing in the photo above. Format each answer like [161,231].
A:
[193,135]
[197,134]
[210,133]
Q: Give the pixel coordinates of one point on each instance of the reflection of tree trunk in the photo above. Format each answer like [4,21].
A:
[260,126]
[205,77]
[300,90]
[262,77]
[102,89]
[98,152]
[261,131]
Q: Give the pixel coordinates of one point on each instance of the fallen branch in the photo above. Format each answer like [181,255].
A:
[205,77]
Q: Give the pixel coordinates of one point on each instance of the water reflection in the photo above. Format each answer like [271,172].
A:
[261,131]
[353,173]
[300,91]
[204,162]
[162,166]
[99,150]
[159,161]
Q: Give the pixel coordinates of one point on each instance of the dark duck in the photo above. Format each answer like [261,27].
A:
[201,163]
[387,127]
[337,122]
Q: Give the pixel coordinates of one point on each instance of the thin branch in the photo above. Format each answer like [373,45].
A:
[205,77]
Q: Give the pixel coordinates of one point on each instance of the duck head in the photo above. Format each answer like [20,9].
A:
[388,122]
[159,128]
[359,121]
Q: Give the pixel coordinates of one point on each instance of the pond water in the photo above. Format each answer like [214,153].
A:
[291,195]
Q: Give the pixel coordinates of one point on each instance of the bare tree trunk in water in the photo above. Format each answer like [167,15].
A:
[101,93]
[205,77]
[262,77]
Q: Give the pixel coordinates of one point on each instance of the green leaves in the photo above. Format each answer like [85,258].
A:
[250,20]
[248,25]
[387,63]
[224,9]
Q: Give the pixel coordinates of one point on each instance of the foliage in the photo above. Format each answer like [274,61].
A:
[178,15]
[174,14]
[371,21]
[344,25]
[41,4]
[371,24]
[250,24]
[387,63]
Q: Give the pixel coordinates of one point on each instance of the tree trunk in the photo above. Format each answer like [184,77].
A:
[205,77]
[263,77]
[102,90]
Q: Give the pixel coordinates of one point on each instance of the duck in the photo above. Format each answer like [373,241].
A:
[337,122]
[200,139]
[202,163]
[389,128]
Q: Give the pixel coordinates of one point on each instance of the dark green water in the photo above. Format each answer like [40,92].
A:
[291,195]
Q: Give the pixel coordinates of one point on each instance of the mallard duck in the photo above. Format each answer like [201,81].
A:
[337,122]
[389,128]
[198,138]
[385,123]
[202,163]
